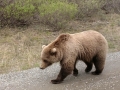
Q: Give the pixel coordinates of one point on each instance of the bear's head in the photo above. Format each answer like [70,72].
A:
[49,55]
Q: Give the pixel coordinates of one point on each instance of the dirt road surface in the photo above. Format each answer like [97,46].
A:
[36,79]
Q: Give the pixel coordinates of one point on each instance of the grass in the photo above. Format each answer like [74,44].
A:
[20,47]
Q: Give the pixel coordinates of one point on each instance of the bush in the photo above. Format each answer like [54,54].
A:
[111,6]
[56,14]
[18,12]
[87,8]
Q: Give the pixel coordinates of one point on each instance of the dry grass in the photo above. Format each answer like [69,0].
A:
[20,48]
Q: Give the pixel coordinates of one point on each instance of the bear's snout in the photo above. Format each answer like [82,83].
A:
[44,65]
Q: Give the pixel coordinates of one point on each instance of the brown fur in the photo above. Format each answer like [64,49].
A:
[88,46]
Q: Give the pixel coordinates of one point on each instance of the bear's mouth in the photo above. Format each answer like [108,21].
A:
[46,65]
[42,68]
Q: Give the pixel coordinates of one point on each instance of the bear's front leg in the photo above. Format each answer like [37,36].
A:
[62,75]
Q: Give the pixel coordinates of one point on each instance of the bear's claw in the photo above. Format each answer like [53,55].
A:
[56,81]
[87,70]
[75,73]
[96,72]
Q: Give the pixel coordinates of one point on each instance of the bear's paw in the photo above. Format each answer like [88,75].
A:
[56,81]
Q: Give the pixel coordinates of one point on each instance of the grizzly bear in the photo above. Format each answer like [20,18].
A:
[89,46]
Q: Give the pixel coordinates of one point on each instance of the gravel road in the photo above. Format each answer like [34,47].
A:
[36,79]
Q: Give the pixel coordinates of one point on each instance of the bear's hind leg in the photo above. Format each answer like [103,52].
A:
[99,65]
[89,66]
[75,71]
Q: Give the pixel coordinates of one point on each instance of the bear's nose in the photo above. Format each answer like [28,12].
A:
[41,68]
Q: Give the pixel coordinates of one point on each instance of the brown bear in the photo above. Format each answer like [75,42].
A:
[89,46]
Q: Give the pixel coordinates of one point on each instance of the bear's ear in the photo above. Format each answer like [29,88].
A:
[43,46]
[53,51]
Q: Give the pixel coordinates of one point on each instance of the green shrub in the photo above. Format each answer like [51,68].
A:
[87,8]
[56,14]
[18,12]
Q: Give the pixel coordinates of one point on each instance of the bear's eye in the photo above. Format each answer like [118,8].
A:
[45,61]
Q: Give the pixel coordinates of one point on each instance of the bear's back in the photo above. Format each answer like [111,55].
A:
[90,42]
[86,41]
[89,37]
